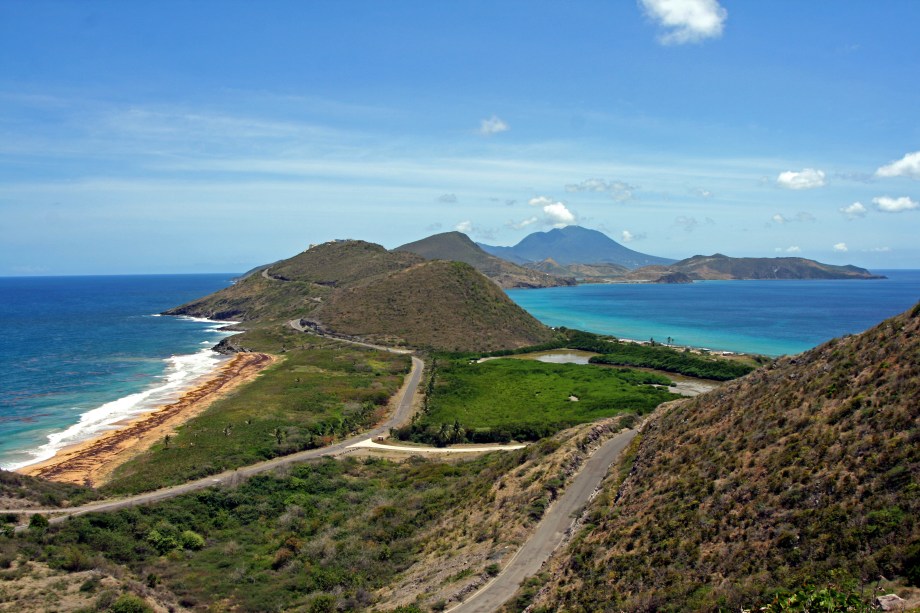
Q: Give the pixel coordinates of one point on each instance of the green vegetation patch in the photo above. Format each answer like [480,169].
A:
[320,390]
[502,400]
[31,490]
[329,532]
[671,360]
[654,356]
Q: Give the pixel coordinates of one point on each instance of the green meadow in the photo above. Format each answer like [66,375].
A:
[509,399]
[318,391]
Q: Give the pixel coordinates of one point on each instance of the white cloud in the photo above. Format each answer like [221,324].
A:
[779,219]
[492,125]
[841,248]
[524,223]
[559,215]
[687,21]
[448,198]
[703,193]
[540,201]
[879,249]
[464,226]
[854,210]
[555,214]
[907,166]
[628,237]
[808,178]
[618,190]
[887,204]
[793,249]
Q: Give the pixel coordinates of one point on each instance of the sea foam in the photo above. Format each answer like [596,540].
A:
[182,372]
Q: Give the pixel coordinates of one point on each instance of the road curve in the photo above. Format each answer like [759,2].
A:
[549,533]
[399,417]
[295,323]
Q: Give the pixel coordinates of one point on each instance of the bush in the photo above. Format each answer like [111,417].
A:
[129,603]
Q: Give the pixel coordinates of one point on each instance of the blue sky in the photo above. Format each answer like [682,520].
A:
[214,136]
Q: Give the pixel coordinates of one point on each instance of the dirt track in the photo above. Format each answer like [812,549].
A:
[549,533]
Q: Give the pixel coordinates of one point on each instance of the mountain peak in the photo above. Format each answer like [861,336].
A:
[574,245]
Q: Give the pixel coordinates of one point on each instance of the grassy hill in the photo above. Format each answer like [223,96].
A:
[446,305]
[722,267]
[359,288]
[806,471]
[457,247]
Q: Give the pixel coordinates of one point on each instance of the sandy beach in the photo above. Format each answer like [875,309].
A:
[92,462]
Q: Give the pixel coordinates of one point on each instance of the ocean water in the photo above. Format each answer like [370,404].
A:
[82,353]
[768,317]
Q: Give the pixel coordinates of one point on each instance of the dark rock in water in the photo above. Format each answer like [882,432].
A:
[674,277]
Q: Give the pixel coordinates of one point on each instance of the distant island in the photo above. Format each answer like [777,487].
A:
[570,255]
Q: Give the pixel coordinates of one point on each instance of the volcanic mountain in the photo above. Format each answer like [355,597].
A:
[574,245]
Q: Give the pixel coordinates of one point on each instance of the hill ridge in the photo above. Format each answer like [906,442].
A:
[803,471]
[457,246]
[359,288]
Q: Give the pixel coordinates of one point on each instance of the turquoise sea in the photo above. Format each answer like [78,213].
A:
[82,353]
[768,317]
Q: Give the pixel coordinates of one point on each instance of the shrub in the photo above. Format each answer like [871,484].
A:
[129,603]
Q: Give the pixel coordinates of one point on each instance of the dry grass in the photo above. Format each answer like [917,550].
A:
[470,544]
[804,471]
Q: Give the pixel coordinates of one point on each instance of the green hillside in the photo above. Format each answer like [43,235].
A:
[444,305]
[361,289]
[806,471]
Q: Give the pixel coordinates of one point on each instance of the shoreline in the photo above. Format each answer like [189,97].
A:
[91,462]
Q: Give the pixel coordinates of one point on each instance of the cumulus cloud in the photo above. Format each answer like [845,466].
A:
[464,226]
[854,210]
[779,219]
[841,248]
[808,178]
[492,125]
[686,21]
[559,215]
[627,237]
[618,190]
[887,204]
[555,213]
[907,166]
[448,198]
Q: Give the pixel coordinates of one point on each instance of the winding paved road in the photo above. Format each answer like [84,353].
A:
[549,533]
